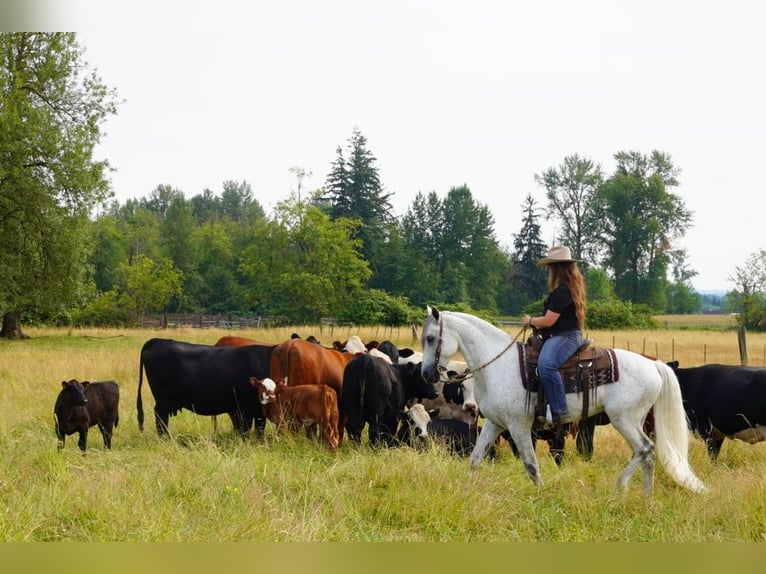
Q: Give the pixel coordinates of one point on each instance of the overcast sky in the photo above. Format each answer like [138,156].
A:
[447,93]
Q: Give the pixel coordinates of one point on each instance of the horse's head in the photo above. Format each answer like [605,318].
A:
[438,344]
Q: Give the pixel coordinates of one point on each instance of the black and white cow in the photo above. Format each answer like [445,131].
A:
[374,392]
[205,379]
[422,427]
[724,401]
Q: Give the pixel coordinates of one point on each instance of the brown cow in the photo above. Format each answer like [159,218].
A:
[234,341]
[304,363]
[298,405]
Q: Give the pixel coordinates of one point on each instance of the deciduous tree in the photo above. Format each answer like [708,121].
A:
[51,110]
[640,220]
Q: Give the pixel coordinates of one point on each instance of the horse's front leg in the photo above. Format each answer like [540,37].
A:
[522,436]
[487,436]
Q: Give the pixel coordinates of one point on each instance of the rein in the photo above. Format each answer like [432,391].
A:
[468,373]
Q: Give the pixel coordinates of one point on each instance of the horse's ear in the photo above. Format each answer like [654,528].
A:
[433,311]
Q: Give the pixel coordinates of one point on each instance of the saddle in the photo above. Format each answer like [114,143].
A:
[588,368]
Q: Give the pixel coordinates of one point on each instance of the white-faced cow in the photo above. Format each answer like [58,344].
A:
[724,401]
[299,405]
[374,392]
[422,426]
[205,379]
[81,405]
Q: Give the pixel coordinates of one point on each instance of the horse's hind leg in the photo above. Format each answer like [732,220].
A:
[643,454]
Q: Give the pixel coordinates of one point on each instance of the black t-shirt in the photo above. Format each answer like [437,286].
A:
[560,301]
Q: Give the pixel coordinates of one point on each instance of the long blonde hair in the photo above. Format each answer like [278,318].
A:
[569,274]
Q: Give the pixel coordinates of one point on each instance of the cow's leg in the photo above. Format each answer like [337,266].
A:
[354,428]
[330,431]
[341,426]
[373,429]
[161,417]
[61,435]
[714,445]
[259,424]
[584,440]
[83,441]
[245,425]
[312,431]
[106,432]
[557,442]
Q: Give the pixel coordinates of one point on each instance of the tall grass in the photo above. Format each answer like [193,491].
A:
[205,484]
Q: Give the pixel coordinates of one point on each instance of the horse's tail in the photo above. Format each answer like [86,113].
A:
[672,431]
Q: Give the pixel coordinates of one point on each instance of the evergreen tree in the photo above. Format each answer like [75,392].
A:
[353,190]
[527,281]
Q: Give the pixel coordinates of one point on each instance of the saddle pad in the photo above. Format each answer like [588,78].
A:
[585,369]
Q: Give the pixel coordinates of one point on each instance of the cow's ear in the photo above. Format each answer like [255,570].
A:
[434,413]
[85,384]
[283,382]
[63,384]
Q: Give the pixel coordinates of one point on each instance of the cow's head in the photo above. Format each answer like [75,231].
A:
[414,382]
[73,392]
[418,419]
[266,389]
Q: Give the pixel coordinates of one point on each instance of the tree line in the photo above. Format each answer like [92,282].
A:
[71,253]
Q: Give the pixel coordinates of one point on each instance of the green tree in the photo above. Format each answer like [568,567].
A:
[527,281]
[353,190]
[469,240]
[206,207]
[598,286]
[748,299]
[176,242]
[304,265]
[160,199]
[216,288]
[681,296]
[570,189]
[51,110]
[149,286]
[640,219]
[110,249]
[420,231]
[455,255]
[240,207]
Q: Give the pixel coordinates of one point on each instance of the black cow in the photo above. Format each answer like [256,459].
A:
[205,379]
[724,401]
[374,392]
[81,405]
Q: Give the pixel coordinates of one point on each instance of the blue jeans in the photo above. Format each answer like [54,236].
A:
[555,351]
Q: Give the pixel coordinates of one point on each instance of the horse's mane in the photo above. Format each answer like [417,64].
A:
[476,322]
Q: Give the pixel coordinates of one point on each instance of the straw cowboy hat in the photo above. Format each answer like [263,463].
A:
[557,255]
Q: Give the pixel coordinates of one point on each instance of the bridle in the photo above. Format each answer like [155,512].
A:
[468,372]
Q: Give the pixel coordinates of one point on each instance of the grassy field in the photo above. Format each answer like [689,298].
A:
[206,485]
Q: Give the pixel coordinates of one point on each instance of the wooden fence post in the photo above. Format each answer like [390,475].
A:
[742,345]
